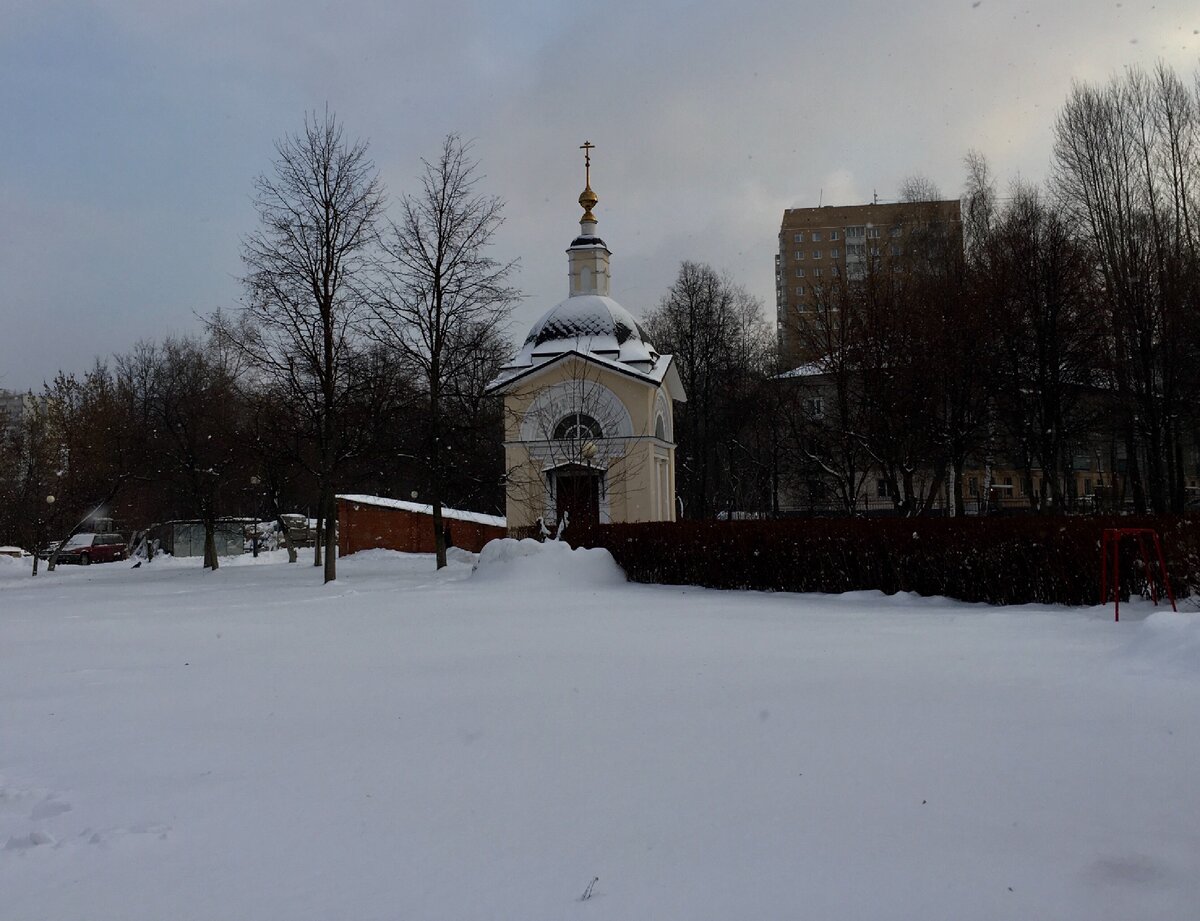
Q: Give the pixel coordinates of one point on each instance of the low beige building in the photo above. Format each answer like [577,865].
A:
[588,400]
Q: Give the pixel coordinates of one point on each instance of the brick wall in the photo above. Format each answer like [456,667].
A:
[362,527]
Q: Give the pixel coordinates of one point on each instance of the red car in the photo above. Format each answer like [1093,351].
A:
[93,548]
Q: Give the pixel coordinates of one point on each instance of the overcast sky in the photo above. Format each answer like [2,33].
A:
[133,129]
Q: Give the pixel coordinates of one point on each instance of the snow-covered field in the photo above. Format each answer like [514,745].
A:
[404,744]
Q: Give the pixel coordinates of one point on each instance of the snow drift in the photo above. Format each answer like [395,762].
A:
[11,567]
[1166,642]
[552,563]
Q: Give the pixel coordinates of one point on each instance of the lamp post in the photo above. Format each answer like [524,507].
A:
[254,481]
[39,535]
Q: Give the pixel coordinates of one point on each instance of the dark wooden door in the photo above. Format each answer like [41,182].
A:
[578,494]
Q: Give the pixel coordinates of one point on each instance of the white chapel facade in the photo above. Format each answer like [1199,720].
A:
[588,404]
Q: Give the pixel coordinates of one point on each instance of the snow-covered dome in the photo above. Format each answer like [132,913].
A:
[592,324]
[589,322]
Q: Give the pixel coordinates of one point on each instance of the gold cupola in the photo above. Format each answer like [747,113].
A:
[587,198]
[588,257]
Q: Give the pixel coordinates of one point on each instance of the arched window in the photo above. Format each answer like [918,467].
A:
[577,427]
[660,428]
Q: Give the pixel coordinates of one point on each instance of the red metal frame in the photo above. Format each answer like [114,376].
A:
[1112,541]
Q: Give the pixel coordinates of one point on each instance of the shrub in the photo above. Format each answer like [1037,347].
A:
[1052,560]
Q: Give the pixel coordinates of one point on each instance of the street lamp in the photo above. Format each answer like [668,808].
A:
[39,536]
[254,481]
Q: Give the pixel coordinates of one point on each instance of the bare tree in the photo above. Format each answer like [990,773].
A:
[716,333]
[825,409]
[1126,171]
[98,442]
[442,297]
[306,287]
[196,416]
[27,475]
[1032,278]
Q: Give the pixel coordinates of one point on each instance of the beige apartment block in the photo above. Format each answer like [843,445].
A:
[821,249]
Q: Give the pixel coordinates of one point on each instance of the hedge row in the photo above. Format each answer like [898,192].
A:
[1052,560]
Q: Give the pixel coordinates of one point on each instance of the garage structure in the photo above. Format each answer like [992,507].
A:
[368,522]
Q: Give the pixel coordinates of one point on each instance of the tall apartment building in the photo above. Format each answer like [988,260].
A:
[829,245]
[13,406]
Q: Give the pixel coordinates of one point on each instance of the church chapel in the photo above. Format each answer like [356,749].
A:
[588,403]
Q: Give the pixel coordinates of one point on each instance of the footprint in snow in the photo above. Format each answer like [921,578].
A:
[49,808]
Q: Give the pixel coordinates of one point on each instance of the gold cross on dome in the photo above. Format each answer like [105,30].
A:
[587,147]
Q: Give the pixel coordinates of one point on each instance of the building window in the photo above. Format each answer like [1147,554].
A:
[835,271]
[577,427]
[834,253]
[833,235]
[895,231]
[800,290]
[799,272]
[799,254]
[816,273]
[874,250]
[854,249]
[799,238]
[873,233]
[816,254]
[881,489]
[973,486]
[895,249]
[816,237]
[815,407]
[855,233]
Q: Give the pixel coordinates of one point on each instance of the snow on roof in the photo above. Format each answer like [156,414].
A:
[591,325]
[453,513]
[809,369]
[593,317]
[662,373]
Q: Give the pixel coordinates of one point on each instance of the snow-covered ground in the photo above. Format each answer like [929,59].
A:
[405,744]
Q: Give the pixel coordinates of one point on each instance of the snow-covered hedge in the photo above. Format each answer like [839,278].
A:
[1054,560]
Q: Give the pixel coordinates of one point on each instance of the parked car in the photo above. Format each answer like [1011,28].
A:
[301,530]
[93,548]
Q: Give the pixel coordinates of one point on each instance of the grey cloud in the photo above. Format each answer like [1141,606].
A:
[709,120]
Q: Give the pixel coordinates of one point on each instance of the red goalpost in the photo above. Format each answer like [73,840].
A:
[1111,547]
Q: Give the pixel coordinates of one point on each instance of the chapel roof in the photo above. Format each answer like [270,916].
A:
[589,323]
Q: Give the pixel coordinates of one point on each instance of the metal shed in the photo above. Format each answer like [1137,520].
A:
[186,538]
